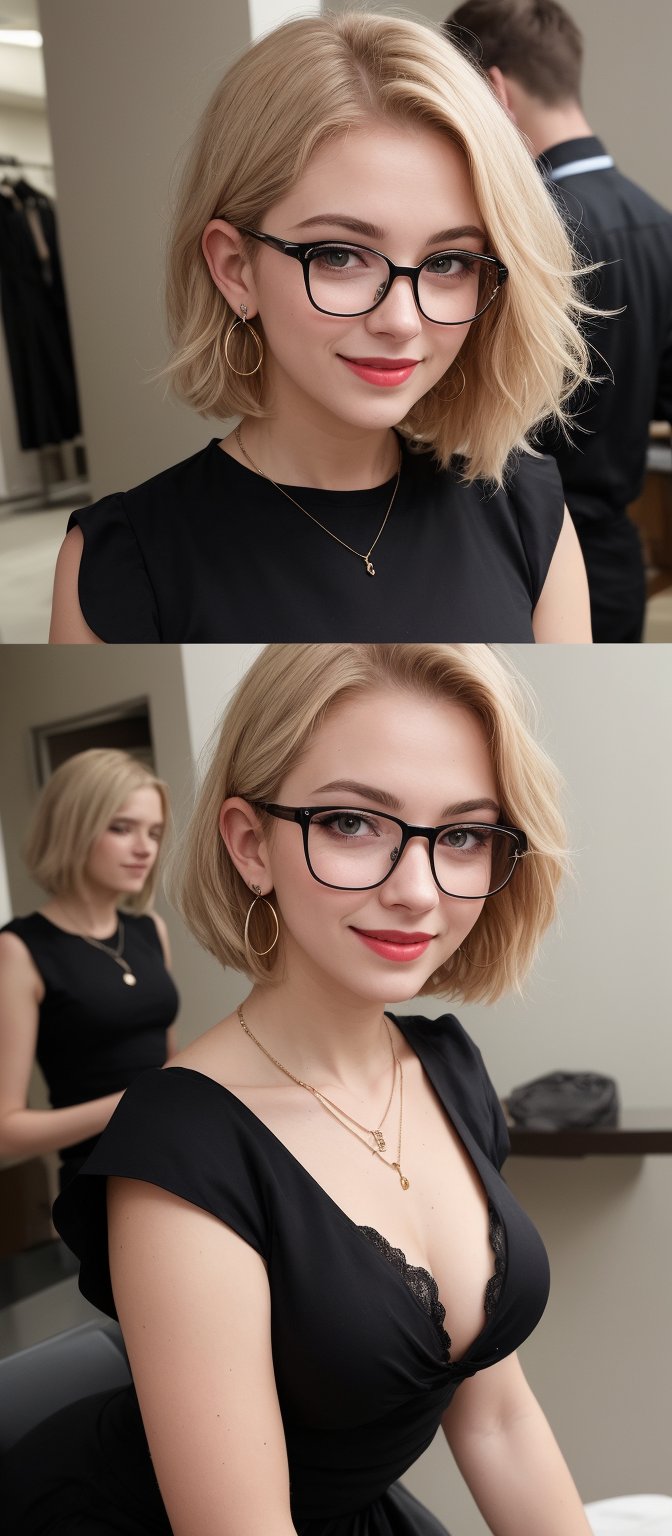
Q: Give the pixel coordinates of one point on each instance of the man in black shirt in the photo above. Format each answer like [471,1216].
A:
[532,52]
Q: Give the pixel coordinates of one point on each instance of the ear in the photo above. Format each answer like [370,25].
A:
[500,87]
[229,266]
[245,843]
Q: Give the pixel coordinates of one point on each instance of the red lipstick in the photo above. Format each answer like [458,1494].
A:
[382,371]
[394,944]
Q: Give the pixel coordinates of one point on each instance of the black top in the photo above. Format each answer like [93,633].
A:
[95,1033]
[614,221]
[210,551]
[362,1359]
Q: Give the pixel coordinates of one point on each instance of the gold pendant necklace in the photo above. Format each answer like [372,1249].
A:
[370,568]
[116,954]
[341,1115]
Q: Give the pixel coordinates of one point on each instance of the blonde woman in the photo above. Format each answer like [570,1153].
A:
[84,980]
[367,270]
[312,1254]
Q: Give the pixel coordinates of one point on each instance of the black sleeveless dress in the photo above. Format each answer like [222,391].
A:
[96,1034]
[210,551]
[361,1342]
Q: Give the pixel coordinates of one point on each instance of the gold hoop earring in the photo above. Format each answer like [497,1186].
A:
[244,373]
[479,965]
[460,391]
[249,948]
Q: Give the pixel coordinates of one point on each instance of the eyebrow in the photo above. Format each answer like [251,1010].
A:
[383,797]
[374,232]
[135,821]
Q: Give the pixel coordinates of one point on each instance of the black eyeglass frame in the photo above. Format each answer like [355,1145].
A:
[304,814]
[305,252]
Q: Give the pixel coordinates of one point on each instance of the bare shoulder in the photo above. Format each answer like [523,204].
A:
[217,1053]
[68,625]
[562,614]
[17,964]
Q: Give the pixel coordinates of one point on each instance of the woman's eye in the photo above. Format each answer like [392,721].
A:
[464,839]
[336,258]
[347,824]
[449,265]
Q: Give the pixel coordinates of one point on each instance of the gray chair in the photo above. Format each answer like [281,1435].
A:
[36,1382]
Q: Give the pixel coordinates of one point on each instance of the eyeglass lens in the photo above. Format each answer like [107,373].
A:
[349,280]
[355,849]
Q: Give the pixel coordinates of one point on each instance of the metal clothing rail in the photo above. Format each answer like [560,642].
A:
[10,162]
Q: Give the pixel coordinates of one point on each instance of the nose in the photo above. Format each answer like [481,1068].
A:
[398,314]
[411,883]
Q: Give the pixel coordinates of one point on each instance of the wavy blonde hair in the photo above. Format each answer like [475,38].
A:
[74,808]
[277,710]
[309,82]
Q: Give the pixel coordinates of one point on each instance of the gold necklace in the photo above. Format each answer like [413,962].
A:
[340,1114]
[371,571]
[116,954]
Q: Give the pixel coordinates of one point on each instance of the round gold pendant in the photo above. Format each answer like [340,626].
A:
[404,1182]
[128,979]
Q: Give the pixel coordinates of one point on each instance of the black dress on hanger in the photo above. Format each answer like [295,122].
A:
[35,318]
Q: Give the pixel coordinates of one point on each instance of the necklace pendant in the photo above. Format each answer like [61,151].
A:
[129,979]
[369,567]
[405,1183]
[379,1140]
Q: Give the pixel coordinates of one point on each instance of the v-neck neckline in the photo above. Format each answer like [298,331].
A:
[475,1154]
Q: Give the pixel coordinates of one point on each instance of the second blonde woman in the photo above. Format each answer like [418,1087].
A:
[84,981]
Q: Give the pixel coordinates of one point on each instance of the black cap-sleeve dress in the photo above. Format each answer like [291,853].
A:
[361,1344]
[210,551]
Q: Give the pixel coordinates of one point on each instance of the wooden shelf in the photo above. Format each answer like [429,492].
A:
[639,1133]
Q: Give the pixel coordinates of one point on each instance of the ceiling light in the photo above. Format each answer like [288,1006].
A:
[24,38]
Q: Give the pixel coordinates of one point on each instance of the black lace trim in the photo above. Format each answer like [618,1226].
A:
[424,1286]
[498,1245]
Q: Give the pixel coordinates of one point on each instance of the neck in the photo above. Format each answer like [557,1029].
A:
[303,444]
[326,1038]
[547,126]
[89,912]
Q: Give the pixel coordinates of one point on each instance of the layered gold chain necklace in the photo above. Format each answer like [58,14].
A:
[370,568]
[347,1121]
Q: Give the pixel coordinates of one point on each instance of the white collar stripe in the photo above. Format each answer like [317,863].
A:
[582,167]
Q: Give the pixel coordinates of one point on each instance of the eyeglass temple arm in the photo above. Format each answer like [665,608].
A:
[283,812]
[289,247]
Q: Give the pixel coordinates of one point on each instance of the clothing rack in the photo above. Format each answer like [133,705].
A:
[10,162]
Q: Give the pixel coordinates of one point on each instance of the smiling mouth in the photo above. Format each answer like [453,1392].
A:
[391,944]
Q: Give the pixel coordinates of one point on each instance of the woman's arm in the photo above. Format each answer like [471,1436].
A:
[194,1306]
[563,610]
[509,1458]
[68,625]
[29,1132]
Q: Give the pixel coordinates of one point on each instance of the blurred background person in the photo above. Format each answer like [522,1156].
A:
[84,981]
[532,51]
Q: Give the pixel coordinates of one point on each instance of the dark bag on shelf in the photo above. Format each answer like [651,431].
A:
[563,1100]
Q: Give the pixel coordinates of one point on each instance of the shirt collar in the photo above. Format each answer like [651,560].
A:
[585,148]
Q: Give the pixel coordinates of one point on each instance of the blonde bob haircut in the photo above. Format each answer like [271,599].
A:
[75,807]
[276,711]
[309,82]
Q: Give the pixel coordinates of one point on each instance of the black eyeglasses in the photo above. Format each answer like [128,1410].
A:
[450,287]
[351,849]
